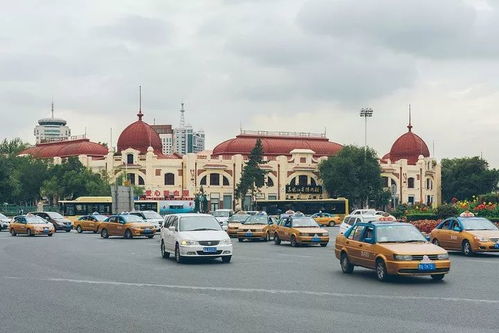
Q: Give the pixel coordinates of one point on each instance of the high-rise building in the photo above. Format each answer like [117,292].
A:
[186,140]
[165,133]
[51,129]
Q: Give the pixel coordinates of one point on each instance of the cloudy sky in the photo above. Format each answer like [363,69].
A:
[300,65]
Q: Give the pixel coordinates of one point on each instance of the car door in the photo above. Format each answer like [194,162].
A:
[367,248]
[112,226]
[443,234]
[21,225]
[352,244]
[164,230]
[171,235]
[455,235]
[284,230]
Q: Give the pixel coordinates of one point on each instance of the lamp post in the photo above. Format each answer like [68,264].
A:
[366,113]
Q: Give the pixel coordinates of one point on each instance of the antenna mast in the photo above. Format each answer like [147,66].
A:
[182,116]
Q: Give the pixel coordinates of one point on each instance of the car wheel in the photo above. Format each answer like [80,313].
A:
[268,237]
[30,233]
[164,254]
[381,273]
[50,235]
[68,230]
[277,240]
[332,224]
[323,244]
[104,233]
[437,277]
[293,241]
[178,258]
[240,239]
[466,249]
[226,259]
[346,266]
[79,229]
[150,236]
[13,232]
[435,242]
[128,234]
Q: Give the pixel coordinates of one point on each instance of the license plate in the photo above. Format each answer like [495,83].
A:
[248,234]
[209,249]
[426,267]
[147,231]
[316,239]
[496,246]
[46,231]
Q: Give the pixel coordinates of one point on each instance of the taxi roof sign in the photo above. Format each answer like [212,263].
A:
[467,214]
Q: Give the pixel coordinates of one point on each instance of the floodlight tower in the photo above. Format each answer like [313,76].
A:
[366,113]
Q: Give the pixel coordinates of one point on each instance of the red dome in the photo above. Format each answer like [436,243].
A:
[408,146]
[66,149]
[275,145]
[139,136]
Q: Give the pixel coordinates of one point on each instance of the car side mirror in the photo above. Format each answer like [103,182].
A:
[457,229]
[171,228]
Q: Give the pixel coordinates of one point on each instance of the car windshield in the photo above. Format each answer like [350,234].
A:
[99,218]
[35,220]
[132,218]
[55,215]
[151,215]
[238,218]
[477,224]
[398,234]
[257,219]
[304,222]
[199,223]
[221,213]
[2,216]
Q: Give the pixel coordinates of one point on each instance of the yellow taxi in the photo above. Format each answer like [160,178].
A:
[390,248]
[127,226]
[468,234]
[299,229]
[235,222]
[326,219]
[88,223]
[254,227]
[30,225]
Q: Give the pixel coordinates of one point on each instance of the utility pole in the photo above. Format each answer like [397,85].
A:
[366,113]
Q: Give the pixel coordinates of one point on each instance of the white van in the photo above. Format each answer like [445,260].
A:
[350,220]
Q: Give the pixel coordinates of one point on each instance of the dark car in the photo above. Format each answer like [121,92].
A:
[59,221]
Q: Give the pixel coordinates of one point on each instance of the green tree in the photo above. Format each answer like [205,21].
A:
[462,178]
[354,173]
[12,147]
[252,176]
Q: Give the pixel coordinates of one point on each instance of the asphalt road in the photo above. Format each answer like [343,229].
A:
[82,283]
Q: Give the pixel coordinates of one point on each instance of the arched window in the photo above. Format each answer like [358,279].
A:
[203,181]
[141,181]
[214,179]
[312,181]
[293,182]
[302,180]
[225,181]
[129,159]
[131,178]
[410,182]
[270,182]
[169,179]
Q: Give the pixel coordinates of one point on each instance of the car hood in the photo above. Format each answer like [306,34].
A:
[253,226]
[485,233]
[235,225]
[312,230]
[139,225]
[154,221]
[203,235]
[413,248]
[222,219]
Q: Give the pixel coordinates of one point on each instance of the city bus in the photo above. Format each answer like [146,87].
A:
[338,206]
[104,205]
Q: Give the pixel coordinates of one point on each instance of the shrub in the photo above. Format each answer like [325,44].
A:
[421,216]
[426,225]
[490,197]
[445,211]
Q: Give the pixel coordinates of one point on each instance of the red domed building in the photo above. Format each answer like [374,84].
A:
[66,148]
[409,171]
[139,136]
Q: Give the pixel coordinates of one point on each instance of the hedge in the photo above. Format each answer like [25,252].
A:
[421,216]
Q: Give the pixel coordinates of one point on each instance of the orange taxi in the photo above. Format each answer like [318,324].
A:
[468,234]
[88,223]
[326,219]
[255,227]
[30,225]
[299,229]
[127,226]
[235,222]
[390,248]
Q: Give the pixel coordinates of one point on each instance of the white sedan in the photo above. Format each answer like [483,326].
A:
[194,236]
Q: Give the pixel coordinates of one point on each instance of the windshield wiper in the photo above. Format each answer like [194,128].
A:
[412,241]
[201,229]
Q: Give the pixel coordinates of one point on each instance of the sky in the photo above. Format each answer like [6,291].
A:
[294,65]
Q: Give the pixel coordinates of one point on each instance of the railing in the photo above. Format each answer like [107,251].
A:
[284,133]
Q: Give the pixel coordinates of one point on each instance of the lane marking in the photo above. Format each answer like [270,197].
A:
[266,291]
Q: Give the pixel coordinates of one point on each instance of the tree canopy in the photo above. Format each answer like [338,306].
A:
[354,173]
[252,177]
[462,178]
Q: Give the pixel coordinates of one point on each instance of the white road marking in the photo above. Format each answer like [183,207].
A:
[266,291]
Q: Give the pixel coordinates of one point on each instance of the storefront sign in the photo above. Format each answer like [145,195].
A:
[312,189]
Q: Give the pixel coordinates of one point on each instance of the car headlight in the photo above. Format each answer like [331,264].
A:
[481,239]
[225,242]
[188,242]
[443,256]
[401,257]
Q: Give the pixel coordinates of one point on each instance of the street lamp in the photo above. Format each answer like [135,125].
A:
[366,113]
